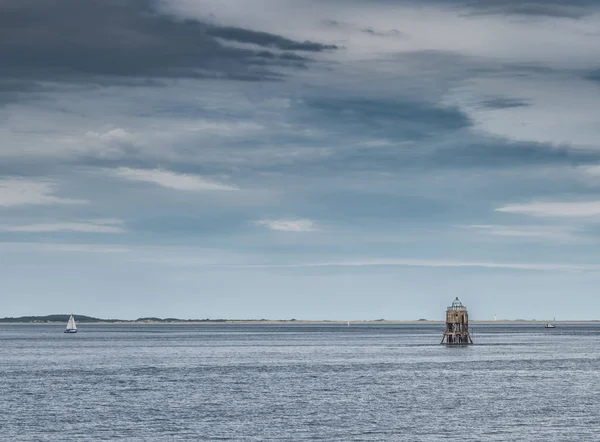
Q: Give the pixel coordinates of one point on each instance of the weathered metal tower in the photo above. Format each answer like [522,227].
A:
[457,325]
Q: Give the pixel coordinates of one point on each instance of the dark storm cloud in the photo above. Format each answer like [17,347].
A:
[266,39]
[77,40]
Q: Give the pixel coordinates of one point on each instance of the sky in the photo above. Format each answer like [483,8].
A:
[277,159]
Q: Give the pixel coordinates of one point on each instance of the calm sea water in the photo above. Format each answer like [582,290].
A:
[298,382]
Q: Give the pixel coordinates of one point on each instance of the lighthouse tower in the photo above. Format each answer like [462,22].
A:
[457,325]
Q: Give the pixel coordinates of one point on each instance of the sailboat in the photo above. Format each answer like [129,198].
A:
[71,326]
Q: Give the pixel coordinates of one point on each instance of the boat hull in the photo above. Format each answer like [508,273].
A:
[70,331]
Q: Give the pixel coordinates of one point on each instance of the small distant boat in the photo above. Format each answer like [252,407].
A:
[71,326]
[549,325]
[348,323]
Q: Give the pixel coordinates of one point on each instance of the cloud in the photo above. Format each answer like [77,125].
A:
[223,128]
[109,144]
[503,103]
[420,127]
[73,41]
[401,117]
[554,233]
[592,171]
[98,226]
[118,134]
[531,114]
[288,225]
[593,75]
[63,247]
[429,263]
[368,30]
[554,209]
[86,248]
[267,40]
[18,192]
[172,180]
[513,30]
[546,9]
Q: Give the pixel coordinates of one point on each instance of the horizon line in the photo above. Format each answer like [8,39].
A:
[305,320]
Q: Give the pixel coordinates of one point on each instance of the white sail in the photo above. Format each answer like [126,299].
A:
[71,323]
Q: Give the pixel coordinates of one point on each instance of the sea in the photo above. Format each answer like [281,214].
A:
[299,382]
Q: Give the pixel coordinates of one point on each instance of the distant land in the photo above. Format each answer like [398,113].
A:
[91,319]
[83,319]
[154,320]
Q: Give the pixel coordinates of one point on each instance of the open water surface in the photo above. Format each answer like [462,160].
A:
[298,382]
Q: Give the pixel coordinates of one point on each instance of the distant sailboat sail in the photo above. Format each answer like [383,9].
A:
[71,326]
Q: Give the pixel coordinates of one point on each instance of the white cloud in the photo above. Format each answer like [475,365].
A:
[591,171]
[84,227]
[112,143]
[118,134]
[383,143]
[430,263]
[224,128]
[555,209]
[110,221]
[288,225]
[171,180]
[557,233]
[16,192]
[88,248]
[71,126]
[62,247]
[544,97]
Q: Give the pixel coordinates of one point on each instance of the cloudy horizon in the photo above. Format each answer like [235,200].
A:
[310,160]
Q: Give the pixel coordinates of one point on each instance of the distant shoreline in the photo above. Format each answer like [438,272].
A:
[7,321]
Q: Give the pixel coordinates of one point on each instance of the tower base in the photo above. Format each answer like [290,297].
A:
[456,339]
